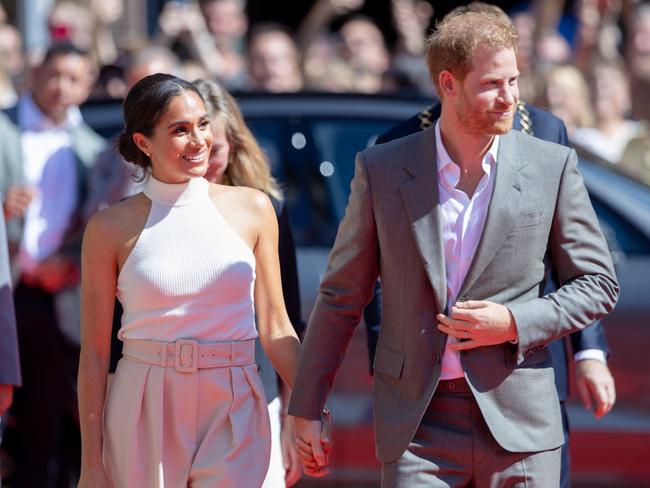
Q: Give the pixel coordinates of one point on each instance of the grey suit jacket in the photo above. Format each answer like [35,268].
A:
[539,214]
[9,363]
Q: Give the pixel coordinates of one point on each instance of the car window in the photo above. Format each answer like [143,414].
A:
[337,142]
[622,236]
[289,145]
[313,159]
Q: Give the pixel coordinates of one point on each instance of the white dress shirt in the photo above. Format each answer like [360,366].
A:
[463,219]
[49,167]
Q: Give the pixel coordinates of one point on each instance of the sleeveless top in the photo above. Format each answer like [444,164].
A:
[189,275]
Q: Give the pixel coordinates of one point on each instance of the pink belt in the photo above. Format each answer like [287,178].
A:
[187,355]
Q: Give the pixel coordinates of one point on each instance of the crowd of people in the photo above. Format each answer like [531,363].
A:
[585,61]
[56,174]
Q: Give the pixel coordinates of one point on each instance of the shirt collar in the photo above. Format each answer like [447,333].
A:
[443,160]
[31,118]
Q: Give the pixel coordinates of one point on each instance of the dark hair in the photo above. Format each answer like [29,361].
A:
[62,48]
[144,105]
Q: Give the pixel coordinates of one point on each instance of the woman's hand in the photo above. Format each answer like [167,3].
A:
[289,453]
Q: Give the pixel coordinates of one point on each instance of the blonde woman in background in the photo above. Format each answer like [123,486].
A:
[565,93]
[236,159]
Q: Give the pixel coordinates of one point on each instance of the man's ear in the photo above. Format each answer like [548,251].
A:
[143,143]
[447,83]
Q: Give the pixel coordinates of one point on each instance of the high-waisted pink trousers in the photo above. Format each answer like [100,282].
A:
[186,415]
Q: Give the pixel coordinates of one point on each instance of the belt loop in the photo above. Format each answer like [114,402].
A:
[163,354]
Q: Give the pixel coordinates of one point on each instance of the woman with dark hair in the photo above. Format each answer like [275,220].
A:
[195,266]
[236,159]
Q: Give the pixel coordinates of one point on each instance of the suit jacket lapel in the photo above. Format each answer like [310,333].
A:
[422,204]
[503,208]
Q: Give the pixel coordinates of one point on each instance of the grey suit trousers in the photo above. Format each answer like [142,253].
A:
[453,447]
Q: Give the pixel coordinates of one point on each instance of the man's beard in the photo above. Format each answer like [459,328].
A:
[478,122]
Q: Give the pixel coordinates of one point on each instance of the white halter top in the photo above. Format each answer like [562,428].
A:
[190,275]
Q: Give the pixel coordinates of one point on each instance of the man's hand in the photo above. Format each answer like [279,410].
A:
[289,453]
[17,199]
[6,398]
[596,386]
[313,445]
[478,323]
[54,273]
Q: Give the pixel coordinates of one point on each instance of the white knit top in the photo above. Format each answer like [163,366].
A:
[190,275]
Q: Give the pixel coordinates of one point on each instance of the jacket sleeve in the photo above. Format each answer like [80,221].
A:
[346,288]
[9,362]
[588,288]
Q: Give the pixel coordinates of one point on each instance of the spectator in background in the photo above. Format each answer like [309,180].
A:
[320,17]
[552,49]
[363,49]
[637,55]
[322,67]
[565,93]
[87,25]
[612,130]
[236,159]
[227,22]
[273,60]
[12,64]
[212,35]
[524,23]
[636,157]
[411,19]
[48,150]
[598,35]
[9,362]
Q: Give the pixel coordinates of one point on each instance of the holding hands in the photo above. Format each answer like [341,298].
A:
[314,444]
[478,323]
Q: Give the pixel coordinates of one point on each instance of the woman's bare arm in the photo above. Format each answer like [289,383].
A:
[277,335]
[98,282]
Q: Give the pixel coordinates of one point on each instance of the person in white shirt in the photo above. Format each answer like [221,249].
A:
[47,150]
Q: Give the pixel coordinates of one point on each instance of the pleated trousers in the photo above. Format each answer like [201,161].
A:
[180,421]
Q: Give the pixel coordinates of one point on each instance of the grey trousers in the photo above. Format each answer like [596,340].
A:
[453,447]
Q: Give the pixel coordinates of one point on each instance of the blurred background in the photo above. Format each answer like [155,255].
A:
[318,80]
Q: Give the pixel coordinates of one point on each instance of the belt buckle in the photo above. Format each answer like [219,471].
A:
[181,348]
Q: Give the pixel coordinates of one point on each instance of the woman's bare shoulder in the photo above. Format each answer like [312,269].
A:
[241,196]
